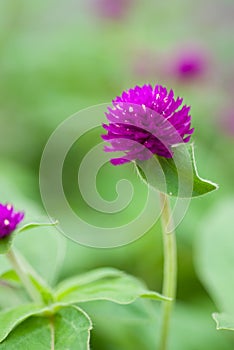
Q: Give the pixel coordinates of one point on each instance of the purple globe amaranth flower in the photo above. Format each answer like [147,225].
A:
[145,121]
[9,219]
[112,9]
[225,121]
[189,63]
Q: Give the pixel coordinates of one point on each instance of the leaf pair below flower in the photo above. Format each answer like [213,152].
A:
[69,327]
[62,321]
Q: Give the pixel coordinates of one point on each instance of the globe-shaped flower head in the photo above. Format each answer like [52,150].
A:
[145,121]
[9,219]
[189,64]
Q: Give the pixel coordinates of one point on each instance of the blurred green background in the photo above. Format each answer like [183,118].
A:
[58,57]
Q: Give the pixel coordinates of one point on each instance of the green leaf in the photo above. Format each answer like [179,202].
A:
[36,225]
[10,277]
[6,242]
[68,329]
[224,321]
[214,255]
[177,176]
[139,324]
[10,318]
[104,284]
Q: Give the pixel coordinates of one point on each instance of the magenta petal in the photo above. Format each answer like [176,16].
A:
[144,121]
[9,219]
[119,161]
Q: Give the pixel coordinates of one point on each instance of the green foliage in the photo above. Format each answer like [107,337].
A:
[6,242]
[10,318]
[69,328]
[57,58]
[36,225]
[12,280]
[215,259]
[104,284]
[139,326]
[177,176]
[224,321]
[11,291]
[10,276]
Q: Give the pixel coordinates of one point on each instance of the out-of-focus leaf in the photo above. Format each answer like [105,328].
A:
[36,225]
[10,295]
[6,242]
[224,321]
[104,284]
[139,326]
[214,255]
[11,277]
[41,241]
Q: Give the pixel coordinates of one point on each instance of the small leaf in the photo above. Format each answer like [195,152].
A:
[224,321]
[36,225]
[177,176]
[10,277]
[6,242]
[104,284]
[10,318]
[68,329]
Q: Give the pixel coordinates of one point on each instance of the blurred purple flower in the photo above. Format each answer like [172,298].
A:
[145,121]
[226,121]
[9,219]
[188,64]
[112,9]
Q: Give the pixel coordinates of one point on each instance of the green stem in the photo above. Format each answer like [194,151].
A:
[170,269]
[23,276]
[52,343]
